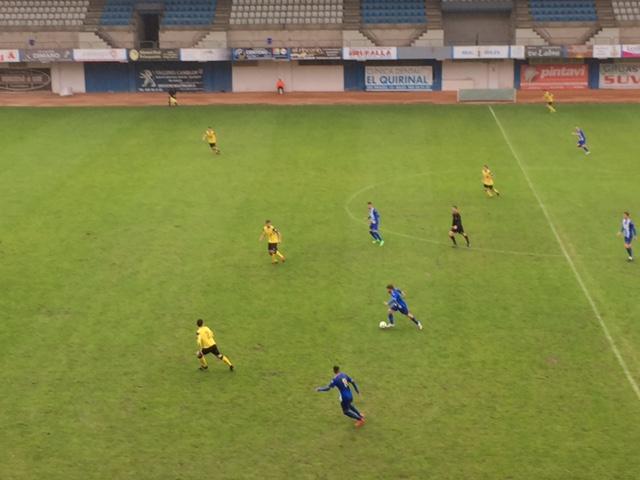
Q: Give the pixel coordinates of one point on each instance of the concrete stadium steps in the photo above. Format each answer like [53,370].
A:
[397,36]
[567,33]
[606,16]
[91,40]
[433,37]
[222,16]
[522,14]
[606,36]
[351,19]
[433,9]
[355,38]
[213,39]
[94,13]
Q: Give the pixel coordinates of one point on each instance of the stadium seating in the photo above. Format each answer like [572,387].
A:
[563,10]
[176,12]
[261,12]
[41,13]
[626,10]
[393,11]
[477,5]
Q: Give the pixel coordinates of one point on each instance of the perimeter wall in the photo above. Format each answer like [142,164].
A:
[332,70]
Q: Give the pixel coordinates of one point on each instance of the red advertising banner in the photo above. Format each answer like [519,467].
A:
[541,77]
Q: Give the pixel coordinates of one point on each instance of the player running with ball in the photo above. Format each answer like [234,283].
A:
[397,304]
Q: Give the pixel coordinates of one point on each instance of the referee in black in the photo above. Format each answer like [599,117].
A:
[456,227]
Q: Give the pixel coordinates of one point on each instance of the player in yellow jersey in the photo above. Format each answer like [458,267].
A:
[212,139]
[207,344]
[173,97]
[274,238]
[548,97]
[487,181]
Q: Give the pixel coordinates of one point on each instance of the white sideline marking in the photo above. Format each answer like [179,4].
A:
[583,286]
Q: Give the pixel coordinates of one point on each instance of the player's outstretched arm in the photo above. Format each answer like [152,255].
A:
[323,389]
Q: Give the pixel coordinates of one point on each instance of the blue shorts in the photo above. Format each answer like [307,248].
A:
[628,240]
[400,308]
[374,227]
[582,143]
[345,403]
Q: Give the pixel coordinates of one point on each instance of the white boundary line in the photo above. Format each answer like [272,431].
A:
[605,329]
[427,240]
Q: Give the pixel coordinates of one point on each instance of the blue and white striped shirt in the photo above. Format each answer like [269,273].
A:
[628,228]
[374,216]
[581,136]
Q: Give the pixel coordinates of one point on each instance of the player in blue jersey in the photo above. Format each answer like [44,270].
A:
[397,304]
[628,231]
[374,224]
[582,140]
[341,381]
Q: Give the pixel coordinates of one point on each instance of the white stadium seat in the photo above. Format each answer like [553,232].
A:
[43,13]
[626,10]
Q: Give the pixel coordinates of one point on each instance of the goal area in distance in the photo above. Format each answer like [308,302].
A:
[489,95]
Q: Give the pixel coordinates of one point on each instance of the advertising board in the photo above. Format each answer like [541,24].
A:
[541,77]
[399,79]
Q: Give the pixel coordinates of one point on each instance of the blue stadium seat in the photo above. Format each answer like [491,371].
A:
[563,10]
[176,12]
[393,11]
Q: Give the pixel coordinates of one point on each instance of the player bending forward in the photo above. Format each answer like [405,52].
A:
[341,381]
[207,344]
[456,227]
[396,303]
[582,140]
[628,231]
[487,181]
[212,139]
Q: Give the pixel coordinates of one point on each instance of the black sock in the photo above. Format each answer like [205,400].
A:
[629,252]
[466,237]
[453,239]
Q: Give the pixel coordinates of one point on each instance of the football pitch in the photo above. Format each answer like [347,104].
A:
[119,229]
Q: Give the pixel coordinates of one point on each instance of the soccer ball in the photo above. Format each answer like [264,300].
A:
[383,324]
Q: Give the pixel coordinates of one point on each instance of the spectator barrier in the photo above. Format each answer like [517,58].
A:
[322,69]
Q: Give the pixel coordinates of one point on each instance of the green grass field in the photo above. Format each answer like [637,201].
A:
[119,229]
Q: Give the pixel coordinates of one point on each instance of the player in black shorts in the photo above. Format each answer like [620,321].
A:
[456,226]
